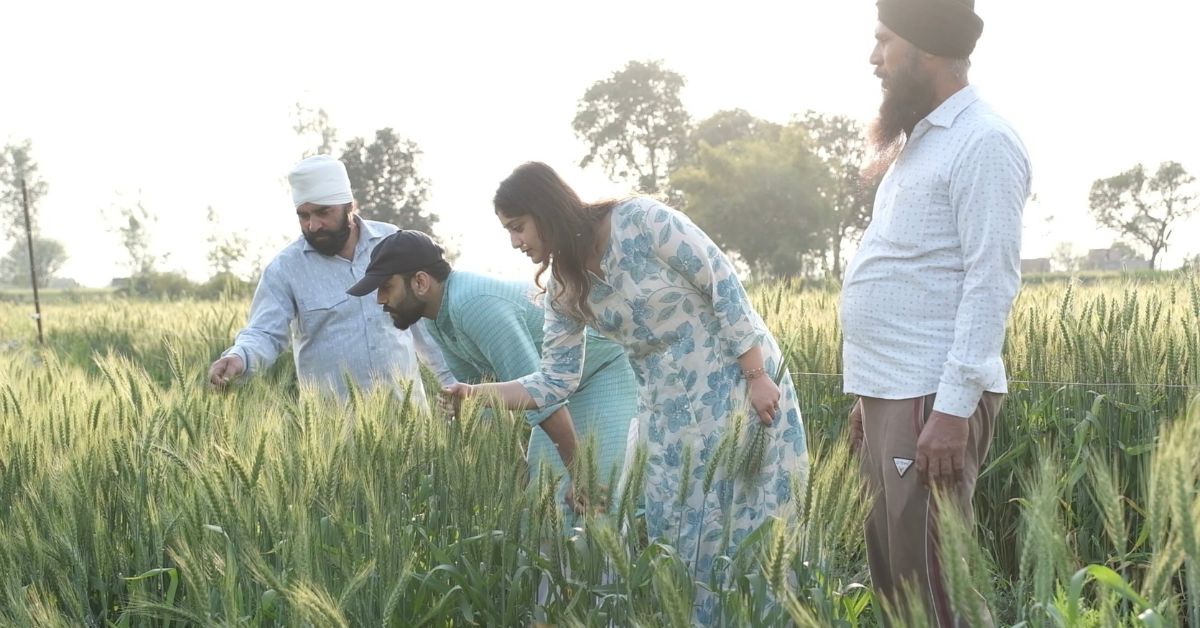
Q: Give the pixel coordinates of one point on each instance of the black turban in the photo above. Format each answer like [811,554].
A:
[946,28]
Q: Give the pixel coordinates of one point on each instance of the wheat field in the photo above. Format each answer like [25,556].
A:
[131,495]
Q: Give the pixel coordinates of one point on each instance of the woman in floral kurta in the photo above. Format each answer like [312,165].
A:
[669,295]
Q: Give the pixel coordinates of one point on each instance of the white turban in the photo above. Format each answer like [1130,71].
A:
[320,180]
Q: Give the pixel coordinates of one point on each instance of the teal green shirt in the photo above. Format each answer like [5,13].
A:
[490,329]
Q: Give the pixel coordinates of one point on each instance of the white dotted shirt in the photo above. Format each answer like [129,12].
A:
[926,298]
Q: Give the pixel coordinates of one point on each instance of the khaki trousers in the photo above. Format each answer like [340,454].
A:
[901,529]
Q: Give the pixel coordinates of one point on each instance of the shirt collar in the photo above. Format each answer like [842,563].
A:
[947,112]
[443,321]
[369,234]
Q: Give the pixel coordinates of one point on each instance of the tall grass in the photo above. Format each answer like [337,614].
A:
[130,495]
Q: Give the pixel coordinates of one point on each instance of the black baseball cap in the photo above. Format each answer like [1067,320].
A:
[403,252]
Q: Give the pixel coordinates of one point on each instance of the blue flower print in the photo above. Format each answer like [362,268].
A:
[731,300]
[635,254]
[686,262]
[678,413]
[720,388]
[682,341]
[674,301]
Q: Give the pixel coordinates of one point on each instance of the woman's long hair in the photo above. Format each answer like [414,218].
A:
[567,226]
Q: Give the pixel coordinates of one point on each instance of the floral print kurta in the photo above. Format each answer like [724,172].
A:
[672,299]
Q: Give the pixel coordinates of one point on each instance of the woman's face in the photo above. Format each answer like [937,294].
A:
[523,235]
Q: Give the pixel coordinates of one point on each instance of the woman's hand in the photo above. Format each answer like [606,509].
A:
[764,398]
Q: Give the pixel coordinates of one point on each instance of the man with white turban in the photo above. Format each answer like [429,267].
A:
[302,298]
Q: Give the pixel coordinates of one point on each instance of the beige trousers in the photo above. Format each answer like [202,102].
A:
[901,529]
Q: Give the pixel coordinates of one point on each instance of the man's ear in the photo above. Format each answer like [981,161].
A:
[421,283]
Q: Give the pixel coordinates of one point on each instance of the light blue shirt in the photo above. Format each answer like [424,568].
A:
[926,298]
[490,328]
[302,298]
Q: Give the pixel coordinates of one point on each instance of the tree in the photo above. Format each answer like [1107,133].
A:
[133,222]
[840,142]
[49,256]
[717,130]
[383,175]
[727,126]
[759,197]
[314,127]
[1065,259]
[635,124]
[1142,207]
[17,164]
[225,250]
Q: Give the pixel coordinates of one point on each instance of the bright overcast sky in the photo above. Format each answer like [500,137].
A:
[192,103]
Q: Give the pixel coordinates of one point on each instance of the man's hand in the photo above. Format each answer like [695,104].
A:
[225,370]
[581,503]
[856,426]
[458,391]
[941,449]
[448,406]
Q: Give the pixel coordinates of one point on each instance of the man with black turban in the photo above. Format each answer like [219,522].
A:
[927,295]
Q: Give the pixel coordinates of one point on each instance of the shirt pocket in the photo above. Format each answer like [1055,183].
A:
[320,310]
[918,211]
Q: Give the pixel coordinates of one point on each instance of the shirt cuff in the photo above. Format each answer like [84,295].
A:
[960,400]
[542,390]
[241,353]
[741,344]
[535,417]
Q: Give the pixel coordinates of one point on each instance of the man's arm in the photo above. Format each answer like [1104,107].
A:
[499,330]
[988,189]
[266,334]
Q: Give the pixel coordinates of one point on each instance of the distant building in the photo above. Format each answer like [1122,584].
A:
[1035,265]
[1113,259]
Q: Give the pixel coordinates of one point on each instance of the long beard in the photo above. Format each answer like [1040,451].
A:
[330,242]
[908,99]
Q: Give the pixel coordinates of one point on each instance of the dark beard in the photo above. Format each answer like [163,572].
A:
[407,314]
[908,99]
[404,321]
[330,242]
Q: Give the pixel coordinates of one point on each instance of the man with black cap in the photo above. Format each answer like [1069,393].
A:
[491,328]
[301,299]
[926,297]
